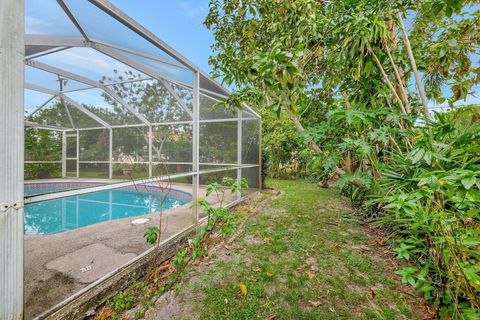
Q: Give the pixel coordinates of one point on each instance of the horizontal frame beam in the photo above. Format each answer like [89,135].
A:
[31,124]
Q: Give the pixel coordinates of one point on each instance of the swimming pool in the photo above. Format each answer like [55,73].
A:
[59,215]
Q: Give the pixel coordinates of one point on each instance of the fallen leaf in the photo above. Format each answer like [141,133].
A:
[243,289]
[257,269]
[269,274]
[315,304]
[271,316]
[310,275]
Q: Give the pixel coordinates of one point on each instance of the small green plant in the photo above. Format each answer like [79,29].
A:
[151,235]
[220,213]
[123,301]
[142,292]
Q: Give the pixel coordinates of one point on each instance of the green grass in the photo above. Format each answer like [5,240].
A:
[301,259]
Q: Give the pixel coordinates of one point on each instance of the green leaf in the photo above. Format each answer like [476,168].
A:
[468,182]
[417,155]
[151,235]
[452,42]
[471,241]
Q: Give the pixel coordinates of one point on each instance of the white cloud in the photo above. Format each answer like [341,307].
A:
[86,62]
[194,10]
[36,25]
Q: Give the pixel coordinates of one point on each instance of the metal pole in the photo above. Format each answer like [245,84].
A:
[150,133]
[78,154]
[110,154]
[12,54]
[64,154]
[239,149]
[195,142]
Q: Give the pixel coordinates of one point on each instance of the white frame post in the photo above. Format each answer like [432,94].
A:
[12,54]
[78,154]
[150,168]
[110,154]
[239,150]
[195,142]
[64,154]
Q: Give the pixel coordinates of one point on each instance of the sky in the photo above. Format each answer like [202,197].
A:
[179,23]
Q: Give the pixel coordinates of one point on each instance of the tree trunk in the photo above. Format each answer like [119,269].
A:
[347,103]
[312,145]
[296,122]
[423,98]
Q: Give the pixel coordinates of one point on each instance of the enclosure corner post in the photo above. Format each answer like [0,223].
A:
[12,54]
[110,153]
[239,150]
[195,142]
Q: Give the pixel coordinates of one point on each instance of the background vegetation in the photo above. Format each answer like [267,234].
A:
[348,91]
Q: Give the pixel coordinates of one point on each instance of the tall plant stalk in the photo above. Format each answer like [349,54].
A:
[423,98]
[387,80]
[402,90]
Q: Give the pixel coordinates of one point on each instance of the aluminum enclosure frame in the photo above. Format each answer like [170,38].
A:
[201,85]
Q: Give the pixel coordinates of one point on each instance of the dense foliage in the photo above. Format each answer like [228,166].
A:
[357,80]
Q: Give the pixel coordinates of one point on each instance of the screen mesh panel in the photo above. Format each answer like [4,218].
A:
[172,143]
[47,17]
[94,145]
[130,145]
[93,170]
[154,100]
[42,145]
[213,109]
[218,142]
[109,104]
[250,142]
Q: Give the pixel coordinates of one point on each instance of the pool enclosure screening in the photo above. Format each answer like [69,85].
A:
[107,105]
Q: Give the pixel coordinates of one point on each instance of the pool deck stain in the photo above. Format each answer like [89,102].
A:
[93,261]
[58,265]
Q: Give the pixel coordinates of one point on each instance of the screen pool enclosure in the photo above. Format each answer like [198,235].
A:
[102,126]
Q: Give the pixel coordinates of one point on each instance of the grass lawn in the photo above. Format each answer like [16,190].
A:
[300,257]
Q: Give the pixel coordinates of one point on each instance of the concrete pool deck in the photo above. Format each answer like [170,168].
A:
[59,265]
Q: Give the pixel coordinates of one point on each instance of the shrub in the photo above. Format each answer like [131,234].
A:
[431,197]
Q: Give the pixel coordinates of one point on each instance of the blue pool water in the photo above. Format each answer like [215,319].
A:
[58,215]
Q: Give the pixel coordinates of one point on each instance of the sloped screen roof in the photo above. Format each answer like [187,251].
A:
[90,65]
